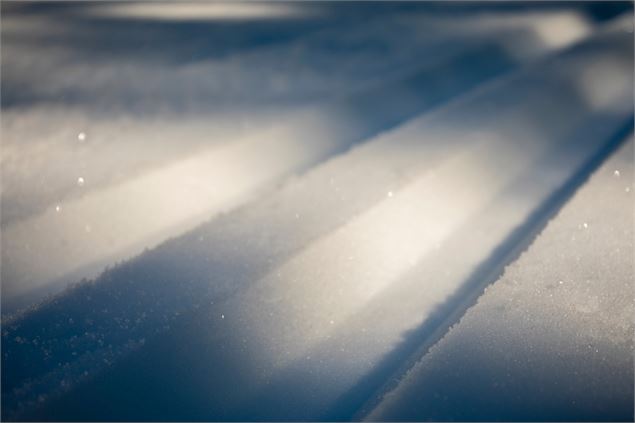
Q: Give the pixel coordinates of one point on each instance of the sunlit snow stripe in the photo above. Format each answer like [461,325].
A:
[559,316]
[232,326]
[224,11]
[77,238]
[304,342]
[327,316]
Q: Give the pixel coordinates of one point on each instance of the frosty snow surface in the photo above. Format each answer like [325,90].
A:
[314,211]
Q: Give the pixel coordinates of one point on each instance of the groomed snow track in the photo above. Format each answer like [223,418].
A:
[299,262]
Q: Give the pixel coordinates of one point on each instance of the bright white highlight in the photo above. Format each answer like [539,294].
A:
[200,11]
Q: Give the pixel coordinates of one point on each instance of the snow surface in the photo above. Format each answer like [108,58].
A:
[93,147]
[306,301]
[552,339]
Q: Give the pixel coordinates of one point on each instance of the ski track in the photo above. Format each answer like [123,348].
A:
[108,218]
[280,308]
[552,338]
[309,297]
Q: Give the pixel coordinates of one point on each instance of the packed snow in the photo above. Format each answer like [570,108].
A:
[552,339]
[306,300]
[198,142]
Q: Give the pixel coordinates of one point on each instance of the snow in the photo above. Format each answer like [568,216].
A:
[327,265]
[170,138]
[536,349]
